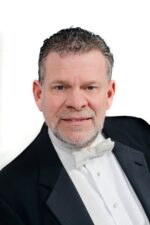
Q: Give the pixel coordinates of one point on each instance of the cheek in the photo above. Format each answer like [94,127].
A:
[49,113]
[51,106]
[99,105]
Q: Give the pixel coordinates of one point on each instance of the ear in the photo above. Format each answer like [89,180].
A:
[37,92]
[110,93]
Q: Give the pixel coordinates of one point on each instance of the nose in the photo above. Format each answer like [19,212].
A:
[76,99]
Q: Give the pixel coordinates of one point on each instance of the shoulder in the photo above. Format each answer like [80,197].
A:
[16,175]
[131,131]
[24,169]
[21,171]
[127,122]
[29,156]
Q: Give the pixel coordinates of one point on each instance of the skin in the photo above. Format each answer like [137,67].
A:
[75,95]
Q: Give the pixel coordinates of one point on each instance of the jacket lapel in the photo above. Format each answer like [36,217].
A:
[56,188]
[66,204]
[135,168]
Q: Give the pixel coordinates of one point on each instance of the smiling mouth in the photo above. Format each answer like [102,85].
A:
[76,119]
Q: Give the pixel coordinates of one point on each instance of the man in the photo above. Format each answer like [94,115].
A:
[82,168]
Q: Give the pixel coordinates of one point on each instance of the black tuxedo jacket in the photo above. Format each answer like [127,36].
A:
[36,190]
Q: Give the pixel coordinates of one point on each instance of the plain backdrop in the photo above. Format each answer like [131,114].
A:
[125,25]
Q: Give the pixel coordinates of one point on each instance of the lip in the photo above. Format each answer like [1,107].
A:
[74,119]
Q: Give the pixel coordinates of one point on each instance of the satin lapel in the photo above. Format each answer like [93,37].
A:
[66,204]
[135,167]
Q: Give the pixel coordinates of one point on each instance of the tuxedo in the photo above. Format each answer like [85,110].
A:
[35,188]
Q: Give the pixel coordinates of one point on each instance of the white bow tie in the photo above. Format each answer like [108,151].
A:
[81,157]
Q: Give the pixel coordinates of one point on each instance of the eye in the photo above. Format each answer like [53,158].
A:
[59,87]
[91,87]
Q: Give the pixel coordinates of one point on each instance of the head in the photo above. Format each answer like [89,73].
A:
[74,89]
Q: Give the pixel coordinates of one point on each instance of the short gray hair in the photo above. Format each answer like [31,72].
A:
[76,41]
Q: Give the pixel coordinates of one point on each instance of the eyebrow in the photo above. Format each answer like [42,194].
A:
[59,82]
[68,83]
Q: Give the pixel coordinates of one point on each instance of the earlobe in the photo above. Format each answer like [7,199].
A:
[37,92]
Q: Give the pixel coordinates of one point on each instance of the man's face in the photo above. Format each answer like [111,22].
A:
[75,95]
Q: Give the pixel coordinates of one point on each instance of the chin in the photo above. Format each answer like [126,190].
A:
[77,140]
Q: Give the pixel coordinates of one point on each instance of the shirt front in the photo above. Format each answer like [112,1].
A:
[102,186]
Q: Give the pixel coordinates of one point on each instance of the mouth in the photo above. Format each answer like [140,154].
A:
[76,119]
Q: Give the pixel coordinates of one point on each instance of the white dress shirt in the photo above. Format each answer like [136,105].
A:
[103,187]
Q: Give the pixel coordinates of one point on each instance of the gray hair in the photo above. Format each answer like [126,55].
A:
[76,41]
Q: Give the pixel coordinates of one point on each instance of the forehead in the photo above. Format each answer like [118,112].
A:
[91,58]
[82,66]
